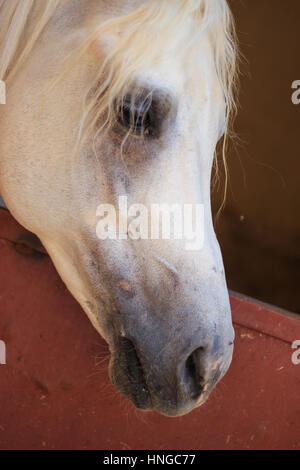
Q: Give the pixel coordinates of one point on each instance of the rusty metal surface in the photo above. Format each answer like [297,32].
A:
[55,392]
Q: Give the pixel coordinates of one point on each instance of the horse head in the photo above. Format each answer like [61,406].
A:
[114,99]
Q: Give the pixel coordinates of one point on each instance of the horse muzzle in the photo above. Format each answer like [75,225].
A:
[168,384]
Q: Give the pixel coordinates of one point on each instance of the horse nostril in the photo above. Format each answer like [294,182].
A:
[194,373]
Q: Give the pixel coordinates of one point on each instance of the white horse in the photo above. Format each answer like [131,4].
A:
[110,98]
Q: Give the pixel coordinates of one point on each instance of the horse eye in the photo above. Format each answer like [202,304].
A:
[135,117]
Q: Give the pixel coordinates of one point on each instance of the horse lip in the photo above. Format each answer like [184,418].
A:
[126,373]
[141,399]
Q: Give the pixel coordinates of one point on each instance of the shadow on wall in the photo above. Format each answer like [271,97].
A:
[259,230]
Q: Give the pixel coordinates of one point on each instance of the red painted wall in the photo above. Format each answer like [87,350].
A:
[53,395]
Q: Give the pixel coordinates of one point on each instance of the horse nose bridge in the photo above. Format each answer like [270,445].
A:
[172,334]
[162,336]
